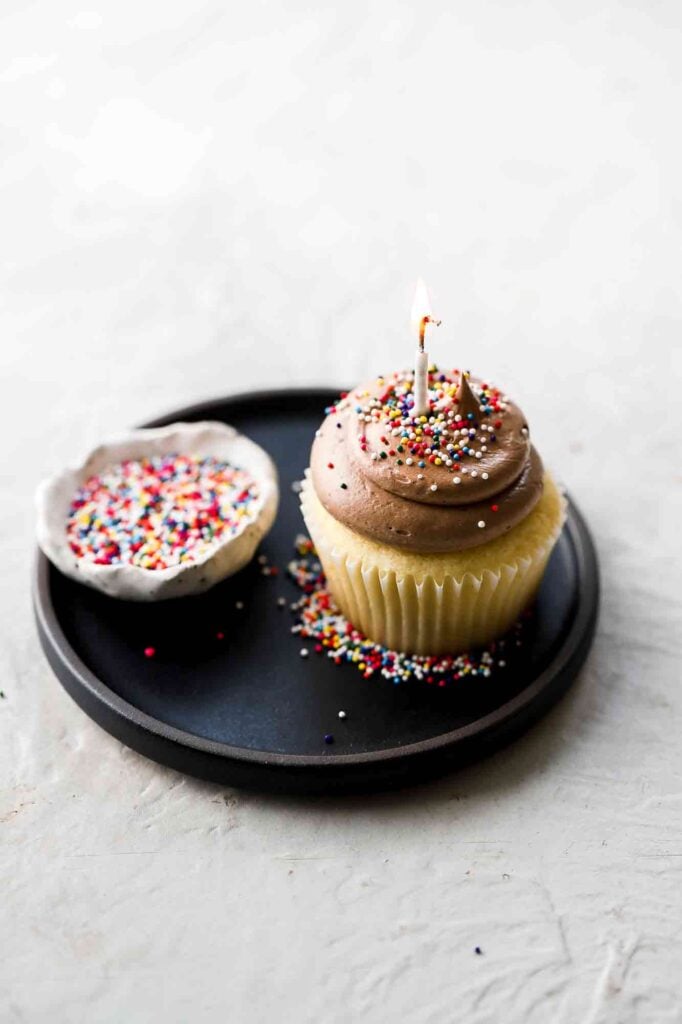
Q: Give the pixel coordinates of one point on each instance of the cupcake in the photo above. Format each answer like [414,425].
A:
[433,531]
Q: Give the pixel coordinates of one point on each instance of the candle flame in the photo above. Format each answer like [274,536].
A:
[421,311]
[421,306]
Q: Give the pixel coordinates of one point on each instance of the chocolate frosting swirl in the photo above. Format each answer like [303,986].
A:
[454,479]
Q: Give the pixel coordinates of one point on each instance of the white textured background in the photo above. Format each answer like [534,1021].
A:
[198,197]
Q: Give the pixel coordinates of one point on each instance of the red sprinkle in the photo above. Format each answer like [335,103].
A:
[149,652]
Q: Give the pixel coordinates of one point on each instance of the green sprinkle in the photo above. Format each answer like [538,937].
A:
[383,455]
[344,487]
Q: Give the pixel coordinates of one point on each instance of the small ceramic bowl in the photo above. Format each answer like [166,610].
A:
[133,582]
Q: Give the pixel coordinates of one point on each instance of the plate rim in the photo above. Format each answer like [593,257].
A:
[578,637]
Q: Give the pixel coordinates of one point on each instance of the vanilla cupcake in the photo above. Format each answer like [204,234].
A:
[433,531]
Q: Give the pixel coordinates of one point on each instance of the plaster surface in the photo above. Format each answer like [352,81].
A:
[199,198]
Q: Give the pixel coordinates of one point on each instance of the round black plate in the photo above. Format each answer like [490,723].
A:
[248,710]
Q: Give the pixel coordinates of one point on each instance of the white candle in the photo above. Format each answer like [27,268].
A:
[421,383]
[421,316]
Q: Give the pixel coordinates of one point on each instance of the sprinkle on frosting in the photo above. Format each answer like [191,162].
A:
[424,482]
[159,512]
[455,428]
[319,621]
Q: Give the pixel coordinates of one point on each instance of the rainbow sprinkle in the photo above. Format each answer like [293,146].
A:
[159,512]
[321,622]
[444,438]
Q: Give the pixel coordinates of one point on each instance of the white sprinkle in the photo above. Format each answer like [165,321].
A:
[239,605]
[484,476]
[342,714]
[456,479]
[481,524]
[484,447]
[281,602]
[474,472]
[420,476]
[409,462]
[303,652]
[502,664]
[434,487]
[318,433]
[374,456]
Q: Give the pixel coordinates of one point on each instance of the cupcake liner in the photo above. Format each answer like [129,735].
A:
[435,604]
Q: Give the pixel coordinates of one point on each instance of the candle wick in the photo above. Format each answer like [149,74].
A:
[422,328]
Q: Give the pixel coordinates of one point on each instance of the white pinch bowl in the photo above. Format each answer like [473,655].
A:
[132,582]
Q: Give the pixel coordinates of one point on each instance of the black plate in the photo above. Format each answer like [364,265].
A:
[248,710]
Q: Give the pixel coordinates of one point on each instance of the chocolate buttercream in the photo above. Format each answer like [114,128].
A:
[452,480]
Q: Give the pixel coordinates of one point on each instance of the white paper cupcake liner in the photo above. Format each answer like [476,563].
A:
[427,604]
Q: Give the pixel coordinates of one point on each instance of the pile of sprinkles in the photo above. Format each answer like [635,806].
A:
[322,623]
[159,512]
[453,433]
